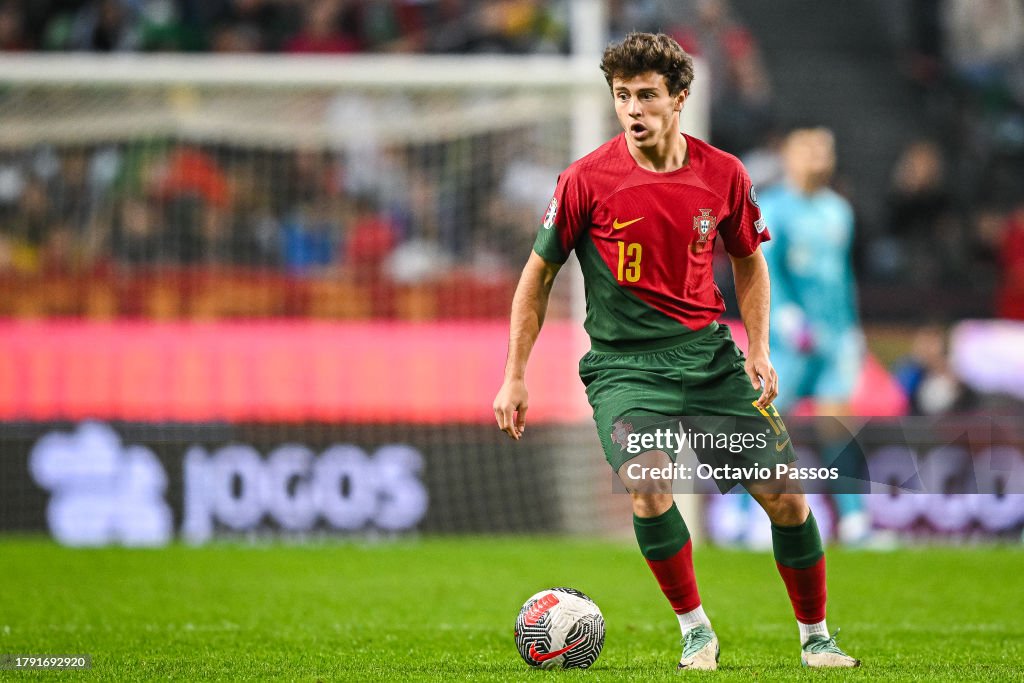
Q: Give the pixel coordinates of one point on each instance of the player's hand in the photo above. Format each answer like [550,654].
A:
[762,376]
[510,407]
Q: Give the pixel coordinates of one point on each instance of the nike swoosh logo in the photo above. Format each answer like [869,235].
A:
[616,225]
[545,656]
[780,446]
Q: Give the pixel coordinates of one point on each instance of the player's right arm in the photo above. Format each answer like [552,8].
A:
[529,306]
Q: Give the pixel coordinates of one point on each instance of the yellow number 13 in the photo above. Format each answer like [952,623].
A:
[629,261]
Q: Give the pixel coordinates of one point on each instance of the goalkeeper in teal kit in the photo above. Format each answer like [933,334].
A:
[643,213]
[816,341]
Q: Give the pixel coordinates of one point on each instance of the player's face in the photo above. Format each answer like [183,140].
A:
[646,110]
[811,156]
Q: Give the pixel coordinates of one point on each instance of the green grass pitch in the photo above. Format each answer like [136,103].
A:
[442,609]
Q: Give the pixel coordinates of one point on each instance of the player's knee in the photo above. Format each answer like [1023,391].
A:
[784,509]
[651,504]
[644,474]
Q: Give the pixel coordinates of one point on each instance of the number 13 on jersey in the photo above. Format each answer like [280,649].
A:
[629,261]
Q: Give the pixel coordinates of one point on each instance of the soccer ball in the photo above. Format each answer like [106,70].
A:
[560,628]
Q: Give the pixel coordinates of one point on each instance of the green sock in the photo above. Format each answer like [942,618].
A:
[663,536]
[798,546]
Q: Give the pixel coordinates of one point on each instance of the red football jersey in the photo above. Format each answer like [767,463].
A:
[646,240]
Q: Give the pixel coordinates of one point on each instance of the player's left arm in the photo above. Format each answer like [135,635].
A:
[753,293]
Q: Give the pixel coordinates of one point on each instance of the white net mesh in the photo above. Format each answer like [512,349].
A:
[356,188]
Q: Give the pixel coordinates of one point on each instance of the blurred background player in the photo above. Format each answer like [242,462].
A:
[816,340]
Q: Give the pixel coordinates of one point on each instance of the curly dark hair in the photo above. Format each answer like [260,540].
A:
[639,53]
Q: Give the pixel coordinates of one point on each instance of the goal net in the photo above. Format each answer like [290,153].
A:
[264,295]
[298,175]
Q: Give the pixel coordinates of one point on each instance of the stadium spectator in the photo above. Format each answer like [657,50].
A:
[423,255]
[194,193]
[370,239]
[930,384]
[235,38]
[515,26]
[524,183]
[12,27]
[635,15]
[764,161]
[73,199]
[255,230]
[137,236]
[329,27]
[190,171]
[923,56]
[11,185]
[75,190]
[311,225]
[221,238]
[1010,295]
[6,252]
[985,40]
[245,25]
[412,25]
[309,240]
[741,108]
[919,208]
[105,26]
[59,254]
[389,27]
[30,225]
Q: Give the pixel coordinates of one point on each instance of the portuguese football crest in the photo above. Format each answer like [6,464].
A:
[549,217]
[620,433]
[704,224]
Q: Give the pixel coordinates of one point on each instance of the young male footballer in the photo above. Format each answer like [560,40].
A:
[643,212]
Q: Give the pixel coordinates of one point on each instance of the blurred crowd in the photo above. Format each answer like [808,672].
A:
[953,210]
[407,215]
[955,192]
[292,26]
[303,212]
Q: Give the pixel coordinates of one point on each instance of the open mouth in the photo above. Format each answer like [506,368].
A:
[638,129]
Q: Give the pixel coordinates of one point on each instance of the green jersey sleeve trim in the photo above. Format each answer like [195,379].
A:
[548,246]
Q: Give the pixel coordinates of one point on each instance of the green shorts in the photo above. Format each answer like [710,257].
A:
[698,376]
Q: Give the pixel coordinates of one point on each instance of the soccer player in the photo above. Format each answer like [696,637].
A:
[642,212]
[816,341]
